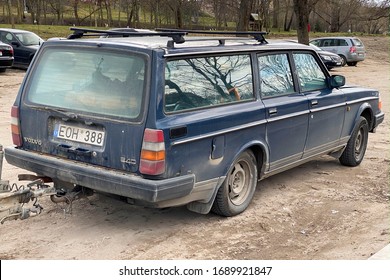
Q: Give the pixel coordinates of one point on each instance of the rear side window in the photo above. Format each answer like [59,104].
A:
[342,42]
[92,81]
[192,83]
[310,75]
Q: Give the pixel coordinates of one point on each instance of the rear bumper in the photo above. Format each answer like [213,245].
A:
[102,179]
[378,119]
[6,62]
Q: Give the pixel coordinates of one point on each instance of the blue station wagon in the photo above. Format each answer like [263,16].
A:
[166,119]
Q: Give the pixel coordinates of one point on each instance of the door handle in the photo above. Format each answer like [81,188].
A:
[273,111]
[314,102]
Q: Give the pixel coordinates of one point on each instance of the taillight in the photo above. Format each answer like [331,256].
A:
[380,103]
[352,49]
[152,160]
[15,128]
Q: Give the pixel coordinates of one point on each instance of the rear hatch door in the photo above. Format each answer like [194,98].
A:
[86,103]
[360,49]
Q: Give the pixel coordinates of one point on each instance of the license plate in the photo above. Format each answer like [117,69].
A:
[79,134]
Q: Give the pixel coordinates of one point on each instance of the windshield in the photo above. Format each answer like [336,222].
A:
[29,39]
[93,81]
[315,47]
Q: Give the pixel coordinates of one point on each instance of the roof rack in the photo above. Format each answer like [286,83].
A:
[257,35]
[177,36]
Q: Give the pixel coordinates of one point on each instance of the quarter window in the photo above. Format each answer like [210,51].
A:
[275,75]
[310,75]
[207,81]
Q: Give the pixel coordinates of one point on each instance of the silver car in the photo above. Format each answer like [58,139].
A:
[350,49]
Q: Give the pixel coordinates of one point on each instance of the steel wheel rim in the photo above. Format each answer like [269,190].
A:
[359,143]
[239,182]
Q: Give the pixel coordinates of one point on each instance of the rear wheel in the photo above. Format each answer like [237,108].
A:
[357,144]
[343,60]
[2,70]
[237,191]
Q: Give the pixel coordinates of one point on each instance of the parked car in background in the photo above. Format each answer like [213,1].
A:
[330,59]
[24,43]
[350,49]
[6,56]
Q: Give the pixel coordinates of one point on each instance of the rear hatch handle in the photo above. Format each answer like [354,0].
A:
[73,150]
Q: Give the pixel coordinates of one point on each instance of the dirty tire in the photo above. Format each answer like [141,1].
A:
[357,144]
[237,191]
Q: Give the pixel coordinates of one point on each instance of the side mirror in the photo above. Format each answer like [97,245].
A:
[337,81]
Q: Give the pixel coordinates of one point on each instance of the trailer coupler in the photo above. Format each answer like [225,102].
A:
[13,200]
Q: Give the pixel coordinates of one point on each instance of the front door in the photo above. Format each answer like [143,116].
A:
[327,106]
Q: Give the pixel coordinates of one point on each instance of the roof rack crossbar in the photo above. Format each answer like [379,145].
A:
[177,36]
[257,35]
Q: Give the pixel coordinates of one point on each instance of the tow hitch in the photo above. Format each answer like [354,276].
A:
[14,199]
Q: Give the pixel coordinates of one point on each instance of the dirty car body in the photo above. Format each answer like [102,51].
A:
[165,122]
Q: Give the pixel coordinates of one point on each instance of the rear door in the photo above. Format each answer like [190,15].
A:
[86,104]
[286,110]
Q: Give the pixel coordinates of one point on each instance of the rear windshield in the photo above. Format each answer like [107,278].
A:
[357,42]
[92,81]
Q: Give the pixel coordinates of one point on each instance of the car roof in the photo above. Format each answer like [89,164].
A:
[335,37]
[15,30]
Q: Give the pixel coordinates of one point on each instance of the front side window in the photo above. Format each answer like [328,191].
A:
[192,83]
[92,81]
[275,75]
[310,75]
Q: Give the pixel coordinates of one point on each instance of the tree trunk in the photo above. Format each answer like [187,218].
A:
[76,12]
[109,13]
[302,12]
[276,11]
[244,15]
[11,19]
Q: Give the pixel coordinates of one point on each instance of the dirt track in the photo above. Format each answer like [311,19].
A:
[320,210]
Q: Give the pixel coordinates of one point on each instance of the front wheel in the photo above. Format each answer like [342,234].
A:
[237,191]
[357,144]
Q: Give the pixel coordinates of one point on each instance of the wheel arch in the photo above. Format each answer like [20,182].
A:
[365,111]
[260,151]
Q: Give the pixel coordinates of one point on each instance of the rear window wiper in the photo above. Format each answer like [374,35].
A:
[63,113]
